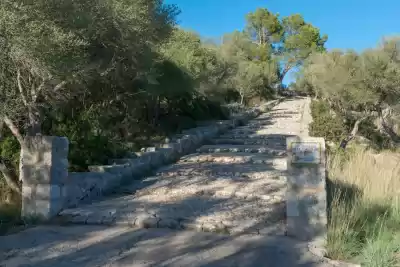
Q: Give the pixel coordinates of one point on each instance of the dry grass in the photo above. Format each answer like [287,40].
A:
[377,175]
[364,210]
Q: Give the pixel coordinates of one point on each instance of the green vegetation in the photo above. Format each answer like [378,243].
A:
[325,123]
[116,75]
[364,220]
[363,89]
[113,76]
[357,98]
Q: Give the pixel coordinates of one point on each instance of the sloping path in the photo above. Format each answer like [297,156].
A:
[234,187]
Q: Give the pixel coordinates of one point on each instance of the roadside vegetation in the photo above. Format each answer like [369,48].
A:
[356,108]
[364,221]
[114,76]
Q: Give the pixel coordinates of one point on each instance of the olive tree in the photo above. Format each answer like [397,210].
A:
[252,72]
[359,85]
[52,51]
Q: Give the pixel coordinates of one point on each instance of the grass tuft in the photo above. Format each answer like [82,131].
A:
[364,207]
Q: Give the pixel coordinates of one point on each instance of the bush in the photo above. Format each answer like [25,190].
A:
[9,150]
[325,124]
[9,154]
[92,150]
[87,144]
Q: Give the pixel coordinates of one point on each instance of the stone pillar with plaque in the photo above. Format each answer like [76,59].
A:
[306,208]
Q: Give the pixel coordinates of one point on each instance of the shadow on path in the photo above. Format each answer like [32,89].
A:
[88,245]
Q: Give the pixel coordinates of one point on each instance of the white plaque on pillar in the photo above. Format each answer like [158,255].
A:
[305,152]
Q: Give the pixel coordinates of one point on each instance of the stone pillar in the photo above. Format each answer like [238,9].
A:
[44,173]
[306,207]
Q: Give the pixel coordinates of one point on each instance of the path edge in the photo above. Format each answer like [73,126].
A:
[318,246]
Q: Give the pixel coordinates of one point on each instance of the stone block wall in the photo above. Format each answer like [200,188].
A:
[306,193]
[53,189]
[44,174]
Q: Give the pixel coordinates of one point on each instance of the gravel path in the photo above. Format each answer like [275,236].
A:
[102,246]
[233,187]
[236,184]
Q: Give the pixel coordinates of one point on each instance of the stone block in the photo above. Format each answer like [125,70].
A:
[176,147]
[120,161]
[184,144]
[111,181]
[48,192]
[43,171]
[42,209]
[124,171]
[156,159]
[168,154]
[306,188]
[140,169]
[44,160]
[89,185]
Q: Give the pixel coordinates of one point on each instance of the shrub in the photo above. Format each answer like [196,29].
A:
[9,150]
[325,124]
[88,145]
[9,154]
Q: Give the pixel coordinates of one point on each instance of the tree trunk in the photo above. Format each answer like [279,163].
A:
[34,121]
[14,130]
[10,177]
[385,127]
[283,74]
[241,99]
[353,133]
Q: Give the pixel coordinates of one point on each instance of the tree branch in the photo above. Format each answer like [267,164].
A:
[353,133]
[21,90]
[60,85]
[286,70]
[14,129]
[35,92]
[9,177]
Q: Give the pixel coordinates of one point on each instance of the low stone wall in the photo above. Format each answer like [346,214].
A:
[81,187]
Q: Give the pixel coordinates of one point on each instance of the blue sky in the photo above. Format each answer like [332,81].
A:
[355,24]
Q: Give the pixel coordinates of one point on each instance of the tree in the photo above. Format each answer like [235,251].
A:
[250,74]
[52,51]
[252,78]
[359,86]
[291,39]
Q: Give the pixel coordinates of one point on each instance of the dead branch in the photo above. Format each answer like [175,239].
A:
[21,90]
